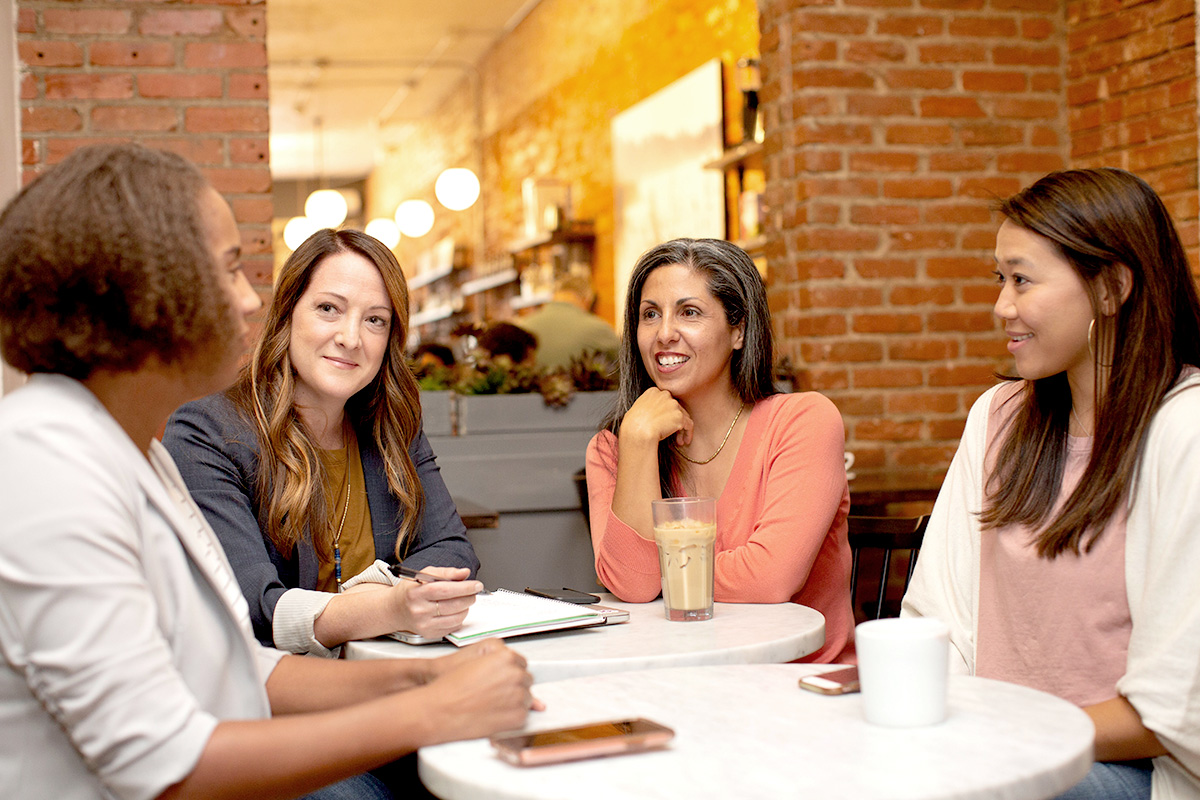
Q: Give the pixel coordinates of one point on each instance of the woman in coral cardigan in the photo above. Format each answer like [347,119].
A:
[698,415]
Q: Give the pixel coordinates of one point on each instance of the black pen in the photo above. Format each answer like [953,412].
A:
[401,571]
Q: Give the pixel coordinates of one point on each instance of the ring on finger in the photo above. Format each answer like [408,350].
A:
[437,606]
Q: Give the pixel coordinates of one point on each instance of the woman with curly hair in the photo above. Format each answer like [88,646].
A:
[313,468]
[698,415]
[129,667]
[1063,548]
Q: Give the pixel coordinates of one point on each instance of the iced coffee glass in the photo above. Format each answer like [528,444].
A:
[685,530]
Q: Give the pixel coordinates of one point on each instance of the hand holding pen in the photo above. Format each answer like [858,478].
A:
[436,599]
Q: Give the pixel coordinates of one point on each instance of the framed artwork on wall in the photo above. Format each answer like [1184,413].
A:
[663,191]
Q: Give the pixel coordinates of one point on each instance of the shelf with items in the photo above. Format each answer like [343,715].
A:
[541,260]
[745,181]
[434,291]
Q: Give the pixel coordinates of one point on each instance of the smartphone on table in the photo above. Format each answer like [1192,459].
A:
[564,595]
[839,681]
[584,741]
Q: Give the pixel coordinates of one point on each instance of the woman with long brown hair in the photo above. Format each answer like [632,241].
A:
[313,468]
[129,669]
[1063,548]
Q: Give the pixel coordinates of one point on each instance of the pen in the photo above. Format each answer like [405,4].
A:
[401,571]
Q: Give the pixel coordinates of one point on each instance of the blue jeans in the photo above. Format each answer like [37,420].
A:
[360,787]
[394,780]
[1129,780]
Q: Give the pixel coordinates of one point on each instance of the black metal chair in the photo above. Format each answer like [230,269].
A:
[886,535]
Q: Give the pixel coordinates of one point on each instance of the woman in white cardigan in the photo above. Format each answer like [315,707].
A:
[130,670]
[1064,548]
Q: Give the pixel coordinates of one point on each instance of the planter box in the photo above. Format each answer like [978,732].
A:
[437,413]
[517,413]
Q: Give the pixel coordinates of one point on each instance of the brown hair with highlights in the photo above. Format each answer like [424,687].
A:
[291,474]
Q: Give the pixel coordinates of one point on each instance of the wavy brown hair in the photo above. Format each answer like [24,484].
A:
[104,264]
[1100,220]
[291,475]
[735,283]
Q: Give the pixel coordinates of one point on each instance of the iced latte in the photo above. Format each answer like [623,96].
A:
[685,531]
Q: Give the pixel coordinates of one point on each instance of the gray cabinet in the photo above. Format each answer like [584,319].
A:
[518,456]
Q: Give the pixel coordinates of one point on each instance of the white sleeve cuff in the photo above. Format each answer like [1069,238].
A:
[376,573]
[292,626]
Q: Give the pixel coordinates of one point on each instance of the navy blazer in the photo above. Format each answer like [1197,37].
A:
[217,453]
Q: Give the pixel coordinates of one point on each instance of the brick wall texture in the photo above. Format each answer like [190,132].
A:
[890,126]
[189,76]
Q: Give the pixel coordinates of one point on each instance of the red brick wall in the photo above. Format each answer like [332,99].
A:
[183,75]
[890,124]
[1132,93]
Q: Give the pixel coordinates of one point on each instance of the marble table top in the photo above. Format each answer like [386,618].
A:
[738,633]
[749,732]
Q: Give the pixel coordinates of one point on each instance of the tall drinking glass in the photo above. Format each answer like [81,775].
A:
[685,530]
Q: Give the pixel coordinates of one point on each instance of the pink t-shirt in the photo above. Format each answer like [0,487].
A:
[781,519]
[1061,625]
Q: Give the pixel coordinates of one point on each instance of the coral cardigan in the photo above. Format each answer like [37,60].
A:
[781,519]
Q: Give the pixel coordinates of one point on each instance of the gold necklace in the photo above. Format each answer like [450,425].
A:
[723,441]
[337,550]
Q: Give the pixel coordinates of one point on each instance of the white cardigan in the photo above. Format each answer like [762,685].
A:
[1162,577]
[124,635]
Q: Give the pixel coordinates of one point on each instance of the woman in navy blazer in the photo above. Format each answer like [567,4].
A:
[313,468]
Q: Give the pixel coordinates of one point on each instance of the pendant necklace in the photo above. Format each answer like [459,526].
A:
[723,441]
[337,550]
[1079,422]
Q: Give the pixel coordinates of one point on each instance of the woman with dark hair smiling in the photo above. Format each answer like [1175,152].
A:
[129,668]
[1063,547]
[313,468]
[698,415]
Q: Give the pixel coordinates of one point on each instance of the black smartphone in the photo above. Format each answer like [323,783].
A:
[565,595]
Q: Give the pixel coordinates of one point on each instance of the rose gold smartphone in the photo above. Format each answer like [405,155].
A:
[840,681]
[586,741]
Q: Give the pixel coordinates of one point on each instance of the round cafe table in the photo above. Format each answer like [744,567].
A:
[750,732]
[738,633]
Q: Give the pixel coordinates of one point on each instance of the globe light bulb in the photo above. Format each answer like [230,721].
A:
[297,231]
[327,207]
[457,188]
[385,231]
[414,218]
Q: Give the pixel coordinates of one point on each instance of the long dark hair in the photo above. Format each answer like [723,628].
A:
[1100,220]
[735,283]
[290,474]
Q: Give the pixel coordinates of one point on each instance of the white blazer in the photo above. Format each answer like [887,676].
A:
[124,635]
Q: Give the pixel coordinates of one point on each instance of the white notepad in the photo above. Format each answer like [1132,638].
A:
[505,613]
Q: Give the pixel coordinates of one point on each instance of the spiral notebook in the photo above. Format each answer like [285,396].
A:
[505,613]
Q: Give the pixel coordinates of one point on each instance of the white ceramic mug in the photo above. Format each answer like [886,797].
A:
[903,665]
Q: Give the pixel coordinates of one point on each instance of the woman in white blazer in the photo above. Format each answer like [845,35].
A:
[130,670]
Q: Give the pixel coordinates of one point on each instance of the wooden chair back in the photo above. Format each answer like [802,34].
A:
[887,535]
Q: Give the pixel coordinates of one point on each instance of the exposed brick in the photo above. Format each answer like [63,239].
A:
[818,325]
[841,350]
[1000,81]
[240,181]
[50,54]
[59,148]
[85,21]
[919,134]
[951,107]
[49,118]
[886,429]
[131,54]
[972,321]
[885,268]
[97,86]
[950,267]
[249,151]
[134,118]
[918,188]
[960,53]
[990,27]
[886,323]
[209,55]
[29,87]
[874,52]
[227,119]
[925,402]
[883,161]
[885,215]
[248,86]
[920,295]
[831,77]
[249,23]
[960,375]
[910,26]
[182,22]
[1029,56]
[202,152]
[253,209]
[875,377]
[27,20]
[180,85]
[29,151]
[880,105]
[919,78]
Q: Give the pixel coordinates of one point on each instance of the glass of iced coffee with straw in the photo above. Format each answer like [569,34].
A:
[685,530]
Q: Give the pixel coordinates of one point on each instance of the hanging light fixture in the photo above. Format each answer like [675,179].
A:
[457,188]
[414,218]
[385,231]
[326,207]
[297,230]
